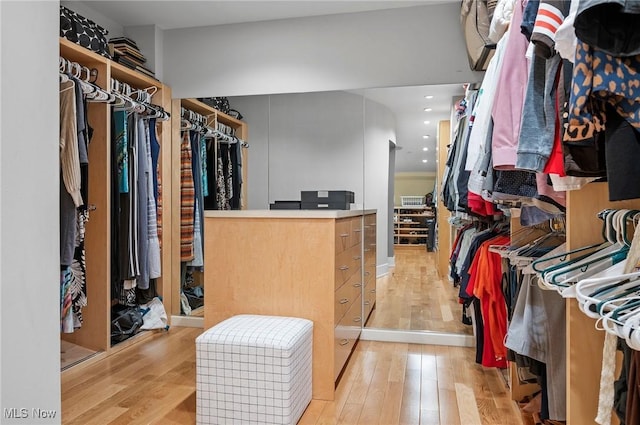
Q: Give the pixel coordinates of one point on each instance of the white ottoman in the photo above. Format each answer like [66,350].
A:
[254,370]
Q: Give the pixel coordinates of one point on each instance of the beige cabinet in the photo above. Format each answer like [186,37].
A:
[308,264]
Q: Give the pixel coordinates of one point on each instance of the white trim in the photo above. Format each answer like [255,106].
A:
[417,337]
[382,270]
[187,321]
[391,261]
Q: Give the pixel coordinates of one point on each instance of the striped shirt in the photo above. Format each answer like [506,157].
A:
[187,200]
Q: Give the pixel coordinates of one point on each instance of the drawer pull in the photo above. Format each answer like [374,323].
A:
[357,230]
[373,291]
[367,250]
[344,235]
[357,319]
[367,273]
[344,341]
[357,285]
[344,301]
[344,268]
[366,302]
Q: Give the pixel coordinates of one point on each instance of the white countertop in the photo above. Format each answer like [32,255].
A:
[286,213]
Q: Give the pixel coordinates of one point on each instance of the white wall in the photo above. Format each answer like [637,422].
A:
[29,182]
[303,141]
[398,47]
[413,184]
[380,128]
[150,41]
[315,143]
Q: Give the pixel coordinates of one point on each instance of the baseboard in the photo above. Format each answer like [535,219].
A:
[187,321]
[382,270]
[391,261]
[417,337]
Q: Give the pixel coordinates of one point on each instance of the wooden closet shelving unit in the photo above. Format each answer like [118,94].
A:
[213,117]
[93,339]
[410,225]
[444,231]
[584,342]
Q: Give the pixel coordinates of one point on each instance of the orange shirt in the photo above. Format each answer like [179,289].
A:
[486,285]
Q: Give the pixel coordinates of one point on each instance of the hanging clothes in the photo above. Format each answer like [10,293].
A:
[510,93]
[236,173]
[153,257]
[198,231]
[157,173]
[74,161]
[204,167]
[187,199]
[142,200]
[211,198]
[221,195]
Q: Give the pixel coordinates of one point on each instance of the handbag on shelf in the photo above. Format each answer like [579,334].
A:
[475,17]
[83,31]
[219,103]
[235,114]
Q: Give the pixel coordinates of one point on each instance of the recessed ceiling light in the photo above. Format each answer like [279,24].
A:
[428,96]
[426,136]
[425,149]
[428,109]
[427,122]
[424,160]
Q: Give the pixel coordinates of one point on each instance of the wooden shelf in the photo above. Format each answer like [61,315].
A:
[132,77]
[199,107]
[79,54]
[202,108]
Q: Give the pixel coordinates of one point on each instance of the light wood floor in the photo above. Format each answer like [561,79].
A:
[384,383]
[153,382]
[413,297]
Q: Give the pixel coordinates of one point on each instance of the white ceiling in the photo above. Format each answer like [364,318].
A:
[186,14]
[407,103]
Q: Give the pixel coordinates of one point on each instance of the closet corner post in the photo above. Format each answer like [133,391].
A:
[165,134]
[443,241]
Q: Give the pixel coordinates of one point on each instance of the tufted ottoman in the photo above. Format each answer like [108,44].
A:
[254,370]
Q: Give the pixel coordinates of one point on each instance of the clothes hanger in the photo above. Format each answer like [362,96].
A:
[621,325]
[602,290]
[523,234]
[599,261]
[564,276]
[597,248]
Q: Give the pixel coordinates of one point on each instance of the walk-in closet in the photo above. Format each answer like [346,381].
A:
[157,189]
